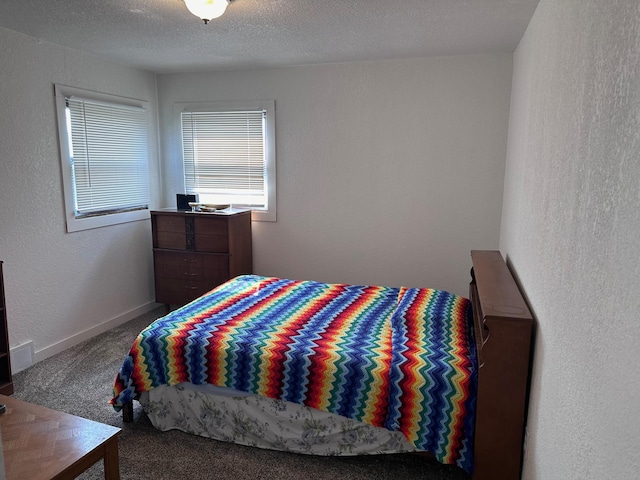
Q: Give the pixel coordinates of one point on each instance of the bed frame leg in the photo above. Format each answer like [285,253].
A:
[127,412]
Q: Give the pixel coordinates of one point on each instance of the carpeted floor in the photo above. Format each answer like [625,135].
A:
[79,381]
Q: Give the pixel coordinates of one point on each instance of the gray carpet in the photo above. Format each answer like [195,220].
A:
[79,381]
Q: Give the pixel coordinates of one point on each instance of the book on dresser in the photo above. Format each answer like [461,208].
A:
[6,381]
[193,252]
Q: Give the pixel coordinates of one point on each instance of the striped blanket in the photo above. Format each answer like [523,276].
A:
[399,358]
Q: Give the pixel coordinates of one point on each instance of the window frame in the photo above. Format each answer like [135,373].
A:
[268,214]
[85,222]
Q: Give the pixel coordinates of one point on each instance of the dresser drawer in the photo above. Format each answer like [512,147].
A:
[187,273]
[172,257]
[187,266]
[170,223]
[192,233]
[192,242]
[211,243]
[211,234]
[178,292]
[172,240]
[210,225]
[169,232]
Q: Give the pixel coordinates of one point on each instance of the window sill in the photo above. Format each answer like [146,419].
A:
[87,223]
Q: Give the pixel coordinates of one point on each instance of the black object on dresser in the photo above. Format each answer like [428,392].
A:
[6,381]
[193,252]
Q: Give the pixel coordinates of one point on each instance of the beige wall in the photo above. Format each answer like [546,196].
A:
[389,172]
[60,287]
[571,230]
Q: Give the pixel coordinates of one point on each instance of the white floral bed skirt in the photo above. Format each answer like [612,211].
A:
[265,423]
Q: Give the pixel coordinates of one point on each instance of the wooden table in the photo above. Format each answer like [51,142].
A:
[43,444]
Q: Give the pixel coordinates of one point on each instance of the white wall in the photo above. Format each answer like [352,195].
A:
[389,172]
[571,230]
[61,287]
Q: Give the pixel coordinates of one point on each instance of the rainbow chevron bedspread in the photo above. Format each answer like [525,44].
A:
[399,358]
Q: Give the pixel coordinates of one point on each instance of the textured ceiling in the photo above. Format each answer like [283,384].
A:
[162,36]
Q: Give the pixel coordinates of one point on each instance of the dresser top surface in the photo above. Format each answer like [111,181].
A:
[218,213]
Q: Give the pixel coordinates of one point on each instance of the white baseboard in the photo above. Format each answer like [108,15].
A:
[90,333]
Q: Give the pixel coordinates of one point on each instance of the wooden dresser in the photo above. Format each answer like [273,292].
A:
[194,252]
[6,381]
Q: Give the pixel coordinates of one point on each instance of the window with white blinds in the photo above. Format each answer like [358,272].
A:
[229,157]
[104,148]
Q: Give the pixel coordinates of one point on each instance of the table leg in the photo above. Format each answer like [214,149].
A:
[111,461]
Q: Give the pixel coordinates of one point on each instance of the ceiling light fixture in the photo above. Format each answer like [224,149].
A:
[207,9]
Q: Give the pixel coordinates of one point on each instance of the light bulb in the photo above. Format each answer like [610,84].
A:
[207,9]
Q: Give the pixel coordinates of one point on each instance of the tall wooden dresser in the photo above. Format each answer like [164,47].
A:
[194,252]
[6,380]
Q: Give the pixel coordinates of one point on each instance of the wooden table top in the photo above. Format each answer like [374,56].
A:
[39,443]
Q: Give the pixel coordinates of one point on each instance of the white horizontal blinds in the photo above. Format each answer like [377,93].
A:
[224,156]
[108,145]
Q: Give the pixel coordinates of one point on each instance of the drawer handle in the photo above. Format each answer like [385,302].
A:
[187,274]
[190,287]
[190,260]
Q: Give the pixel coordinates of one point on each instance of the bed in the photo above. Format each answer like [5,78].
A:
[344,369]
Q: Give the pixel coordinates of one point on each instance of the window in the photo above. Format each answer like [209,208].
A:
[104,145]
[229,155]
